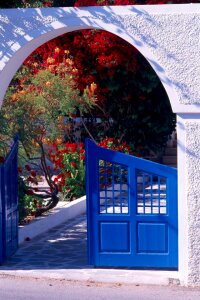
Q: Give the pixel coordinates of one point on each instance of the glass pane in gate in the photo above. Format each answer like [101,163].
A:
[113,188]
[151,193]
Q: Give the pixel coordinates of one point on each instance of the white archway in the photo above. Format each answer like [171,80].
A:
[167,36]
[23,30]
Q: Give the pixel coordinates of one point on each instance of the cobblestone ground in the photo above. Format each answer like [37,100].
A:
[62,247]
[61,253]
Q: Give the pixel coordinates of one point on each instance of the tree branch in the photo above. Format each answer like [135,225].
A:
[90,135]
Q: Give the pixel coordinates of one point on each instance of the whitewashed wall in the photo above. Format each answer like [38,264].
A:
[168,37]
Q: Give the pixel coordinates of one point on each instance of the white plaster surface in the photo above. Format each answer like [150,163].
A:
[193,199]
[60,214]
[183,260]
[167,35]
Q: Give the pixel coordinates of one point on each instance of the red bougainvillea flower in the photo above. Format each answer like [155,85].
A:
[28,168]
[54,145]
[72,147]
[35,201]
[73,164]
[19,170]
[30,179]
[29,192]
[59,188]
[68,174]
[33,173]
[47,3]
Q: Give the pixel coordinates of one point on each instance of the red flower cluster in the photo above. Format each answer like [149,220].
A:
[31,179]
[115,144]
[105,50]
[68,162]
[97,55]
[47,3]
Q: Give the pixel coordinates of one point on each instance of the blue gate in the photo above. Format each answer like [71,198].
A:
[131,210]
[9,204]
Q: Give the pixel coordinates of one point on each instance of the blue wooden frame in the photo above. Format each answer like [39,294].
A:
[156,217]
[9,203]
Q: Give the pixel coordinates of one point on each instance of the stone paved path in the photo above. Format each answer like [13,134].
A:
[61,253]
[62,247]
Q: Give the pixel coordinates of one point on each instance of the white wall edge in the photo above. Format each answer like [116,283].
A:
[60,214]
[182,202]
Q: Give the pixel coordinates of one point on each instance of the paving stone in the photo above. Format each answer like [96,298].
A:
[61,247]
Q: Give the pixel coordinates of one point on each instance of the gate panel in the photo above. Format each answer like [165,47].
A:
[9,201]
[1,230]
[132,211]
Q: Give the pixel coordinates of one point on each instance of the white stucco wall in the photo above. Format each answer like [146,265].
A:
[188,136]
[193,191]
[168,37]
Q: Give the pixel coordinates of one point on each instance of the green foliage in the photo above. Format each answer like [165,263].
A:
[27,204]
[137,111]
[21,200]
[147,120]
[21,3]
[34,108]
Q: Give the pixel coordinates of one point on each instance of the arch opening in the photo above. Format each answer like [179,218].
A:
[136,107]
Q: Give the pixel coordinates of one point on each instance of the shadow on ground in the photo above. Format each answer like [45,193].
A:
[62,247]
